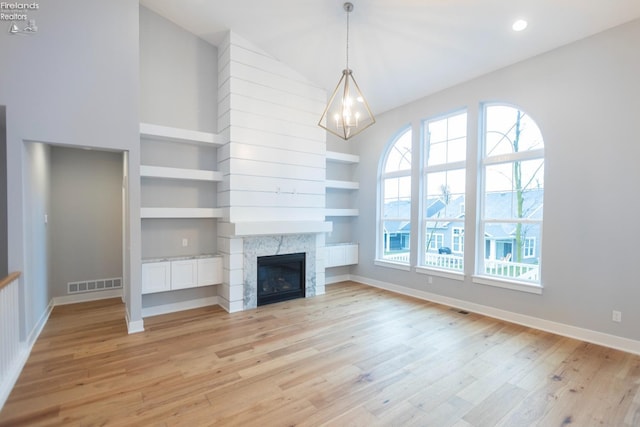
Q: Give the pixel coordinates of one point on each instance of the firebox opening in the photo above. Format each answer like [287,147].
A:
[281,278]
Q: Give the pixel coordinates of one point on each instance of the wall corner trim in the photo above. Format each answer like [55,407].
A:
[133,327]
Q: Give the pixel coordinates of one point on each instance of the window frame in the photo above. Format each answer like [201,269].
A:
[529,250]
[485,161]
[457,240]
[447,166]
[471,210]
[437,243]
[382,177]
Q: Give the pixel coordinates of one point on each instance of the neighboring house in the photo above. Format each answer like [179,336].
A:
[397,231]
[500,238]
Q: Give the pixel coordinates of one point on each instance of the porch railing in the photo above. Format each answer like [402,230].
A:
[498,268]
[513,270]
[399,257]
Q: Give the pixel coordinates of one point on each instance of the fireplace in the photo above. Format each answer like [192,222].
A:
[281,277]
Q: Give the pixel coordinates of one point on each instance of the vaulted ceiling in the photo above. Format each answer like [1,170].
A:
[400,50]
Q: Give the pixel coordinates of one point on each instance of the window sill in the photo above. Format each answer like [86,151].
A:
[389,264]
[514,286]
[440,273]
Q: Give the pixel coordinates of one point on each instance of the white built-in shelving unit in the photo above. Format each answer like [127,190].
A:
[333,184]
[171,274]
[335,156]
[179,173]
[341,253]
[186,136]
[177,272]
[151,132]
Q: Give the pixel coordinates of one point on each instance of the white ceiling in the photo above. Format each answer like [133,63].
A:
[400,50]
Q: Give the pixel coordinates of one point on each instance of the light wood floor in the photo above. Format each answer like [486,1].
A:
[355,356]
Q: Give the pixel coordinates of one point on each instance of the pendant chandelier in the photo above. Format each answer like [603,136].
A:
[347,112]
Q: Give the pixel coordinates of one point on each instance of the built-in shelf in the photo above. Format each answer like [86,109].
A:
[341,212]
[342,185]
[334,184]
[264,228]
[334,156]
[180,213]
[179,173]
[179,135]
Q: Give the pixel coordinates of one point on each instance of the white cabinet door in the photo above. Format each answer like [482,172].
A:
[156,277]
[184,274]
[351,254]
[337,256]
[209,271]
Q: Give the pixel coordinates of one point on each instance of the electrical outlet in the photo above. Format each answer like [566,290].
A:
[430,280]
[616,316]
[185,242]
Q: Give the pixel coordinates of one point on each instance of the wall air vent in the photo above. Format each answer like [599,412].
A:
[94,285]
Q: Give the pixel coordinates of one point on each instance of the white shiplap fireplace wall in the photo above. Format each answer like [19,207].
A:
[273,162]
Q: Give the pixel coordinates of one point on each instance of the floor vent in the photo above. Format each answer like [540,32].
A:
[94,285]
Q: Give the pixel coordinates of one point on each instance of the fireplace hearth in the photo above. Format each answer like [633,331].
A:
[281,278]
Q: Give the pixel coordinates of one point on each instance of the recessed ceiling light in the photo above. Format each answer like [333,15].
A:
[519,25]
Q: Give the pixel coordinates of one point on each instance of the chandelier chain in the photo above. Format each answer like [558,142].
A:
[348,13]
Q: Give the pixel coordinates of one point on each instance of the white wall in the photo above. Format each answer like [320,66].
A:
[37,178]
[75,82]
[585,97]
[178,76]
[274,161]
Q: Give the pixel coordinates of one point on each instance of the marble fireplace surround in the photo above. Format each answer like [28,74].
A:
[254,247]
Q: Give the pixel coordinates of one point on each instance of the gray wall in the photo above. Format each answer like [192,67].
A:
[85,220]
[585,97]
[163,237]
[75,82]
[178,76]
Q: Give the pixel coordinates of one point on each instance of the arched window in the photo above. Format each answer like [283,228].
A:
[511,196]
[395,200]
[443,183]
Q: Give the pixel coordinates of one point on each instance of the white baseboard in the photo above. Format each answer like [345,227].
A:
[179,306]
[18,364]
[133,327]
[39,326]
[86,297]
[600,338]
[13,372]
[337,279]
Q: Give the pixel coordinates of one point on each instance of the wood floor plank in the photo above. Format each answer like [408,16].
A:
[354,356]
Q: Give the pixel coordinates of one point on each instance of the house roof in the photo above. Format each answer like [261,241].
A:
[499,205]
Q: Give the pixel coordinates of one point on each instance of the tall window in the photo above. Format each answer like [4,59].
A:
[512,195]
[445,148]
[396,200]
